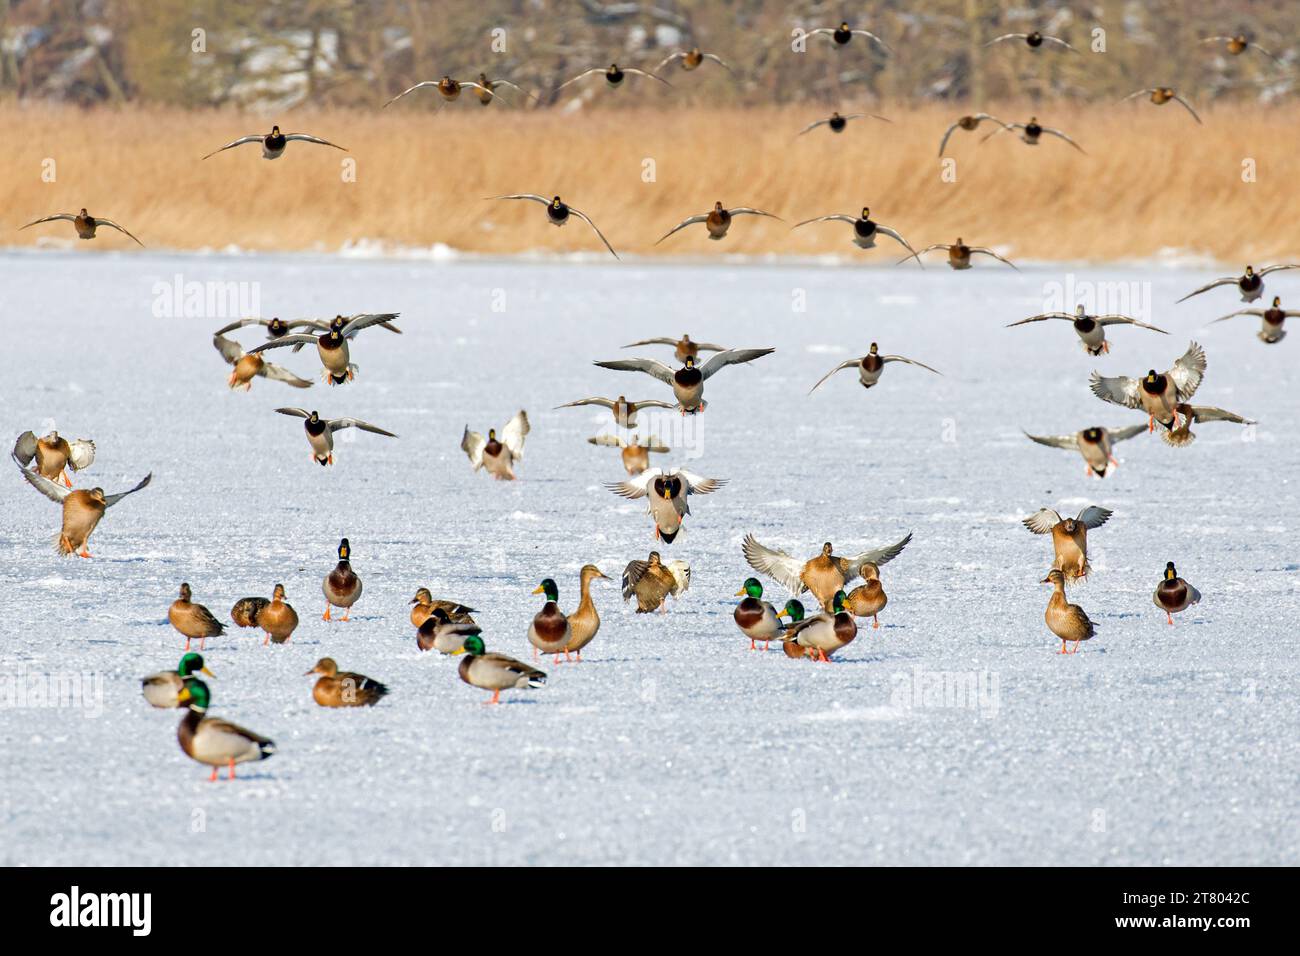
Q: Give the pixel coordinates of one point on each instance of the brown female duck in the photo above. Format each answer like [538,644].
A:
[193,620]
[1067,621]
[343,688]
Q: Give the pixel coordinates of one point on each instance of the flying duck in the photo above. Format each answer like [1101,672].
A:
[824,575]
[332,346]
[497,455]
[1094,444]
[718,220]
[865,230]
[558,212]
[667,493]
[1156,394]
[688,381]
[54,454]
[1091,329]
[82,509]
[1069,536]
[84,223]
[320,431]
[870,367]
[275,142]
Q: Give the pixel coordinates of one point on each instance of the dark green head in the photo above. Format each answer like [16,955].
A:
[474,645]
[837,602]
[548,588]
[752,588]
[794,610]
[345,550]
[192,664]
[195,695]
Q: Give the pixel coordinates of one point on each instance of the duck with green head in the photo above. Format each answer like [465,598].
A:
[756,618]
[1173,594]
[341,587]
[825,633]
[549,632]
[213,741]
[795,611]
[495,672]
[163,689]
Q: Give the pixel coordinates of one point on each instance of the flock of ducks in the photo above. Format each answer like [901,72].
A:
[448,627]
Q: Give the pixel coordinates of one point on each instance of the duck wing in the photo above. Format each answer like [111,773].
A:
[731,357]
[110,500]
[1187,371]
[650,366]
[1042,521]
[512,436]
[777,565]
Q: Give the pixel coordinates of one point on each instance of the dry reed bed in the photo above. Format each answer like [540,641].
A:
[1152,179]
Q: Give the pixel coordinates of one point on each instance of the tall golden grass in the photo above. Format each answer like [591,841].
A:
[1152,179]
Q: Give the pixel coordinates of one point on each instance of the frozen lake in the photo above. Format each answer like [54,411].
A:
[672,743]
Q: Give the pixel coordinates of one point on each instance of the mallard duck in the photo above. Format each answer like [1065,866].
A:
[1091,329]
[968,123]
[54,454]
[667,493]
[1094,444]
[497,456]
[1069,536]
[688,381]
[959,254]
[1034,40]
[320,431]
[1031,132]
[1067,621]
[614,75]
[1173,594]
[213,741]
[449,88]
[1182,436]
[247,366]
[824,633]
[486,92]
[1270,331]
[341,587]
[624,412]
[1239,44]
[274,143]
[651,581]
[756,618]
[869,598]
[549,632]
[558,212]
[1156,394]
[865,229]
[423,605]
[278,619]
[683,348]
[277,327]
[1160,95]
[343,688]
[692,59]
[496,672]
[584,622]
[332,346]
[193,620]
[244,611]
[636,456]
[84,223]
[838,122]
[823,575]
[442,633]
[795,611]
[82,509]
[163,689]
[717,221]
[870,367]
[843,34]
[1250,283]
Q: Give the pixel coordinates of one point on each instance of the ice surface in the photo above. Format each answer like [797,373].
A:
[672,742]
